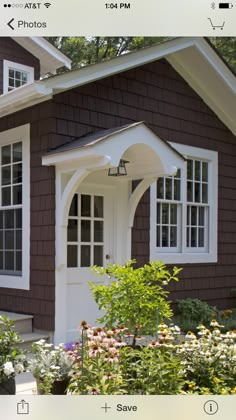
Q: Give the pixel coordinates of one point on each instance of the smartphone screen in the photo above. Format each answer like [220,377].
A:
[117,210]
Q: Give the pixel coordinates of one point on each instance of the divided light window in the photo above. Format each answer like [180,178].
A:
[16,78]
[85,232]
[11,209]
[168,211]
[182,210]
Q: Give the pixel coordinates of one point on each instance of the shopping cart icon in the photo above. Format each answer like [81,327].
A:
[216,26]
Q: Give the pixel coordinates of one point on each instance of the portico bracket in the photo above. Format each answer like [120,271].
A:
[136,197]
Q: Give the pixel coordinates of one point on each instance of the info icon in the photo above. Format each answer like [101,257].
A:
[211,407]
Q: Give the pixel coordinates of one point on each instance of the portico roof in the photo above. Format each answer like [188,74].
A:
[148,155]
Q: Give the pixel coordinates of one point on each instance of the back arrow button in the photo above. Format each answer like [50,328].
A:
[9,24]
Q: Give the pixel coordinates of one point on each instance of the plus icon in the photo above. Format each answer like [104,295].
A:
[105,408]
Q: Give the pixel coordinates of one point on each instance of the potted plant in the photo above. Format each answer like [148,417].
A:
[12,359]
[51,367]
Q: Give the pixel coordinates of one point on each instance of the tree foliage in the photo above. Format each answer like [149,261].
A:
[88,50]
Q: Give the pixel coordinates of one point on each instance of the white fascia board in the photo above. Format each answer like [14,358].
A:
[218,94]
[23,97]
[71,156]
[57,54]
[38,46]
[216,63]
[116,65]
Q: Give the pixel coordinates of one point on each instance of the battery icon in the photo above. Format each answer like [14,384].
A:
[225,5]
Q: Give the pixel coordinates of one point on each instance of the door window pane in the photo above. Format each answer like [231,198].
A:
[85,205]
[98,231]
[85,231]
[72,230]
[98,255]
[85,256]
[98,206]
[72,258]
[74,206]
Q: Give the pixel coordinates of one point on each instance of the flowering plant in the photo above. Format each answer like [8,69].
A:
[209,360]
[109,364]
[50,364]
[12,359]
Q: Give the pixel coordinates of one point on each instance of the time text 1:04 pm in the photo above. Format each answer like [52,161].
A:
[118,5]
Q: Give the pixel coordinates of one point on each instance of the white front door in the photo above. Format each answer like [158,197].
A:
[89,242]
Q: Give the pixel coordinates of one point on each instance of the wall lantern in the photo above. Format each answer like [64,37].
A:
[119,170]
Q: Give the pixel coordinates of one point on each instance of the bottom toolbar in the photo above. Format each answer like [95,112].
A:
[118,407]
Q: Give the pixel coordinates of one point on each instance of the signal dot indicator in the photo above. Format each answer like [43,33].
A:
[47,5]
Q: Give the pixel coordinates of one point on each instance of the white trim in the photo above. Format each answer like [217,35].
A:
[185,255]
[214,82]
[18,67]
[49,56]
[21,133]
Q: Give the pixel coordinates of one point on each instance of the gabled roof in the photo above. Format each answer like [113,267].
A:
[96,137]
[193,58]
[50,57]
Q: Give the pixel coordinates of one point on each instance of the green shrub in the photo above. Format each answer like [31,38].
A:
[135,297]
[192,312]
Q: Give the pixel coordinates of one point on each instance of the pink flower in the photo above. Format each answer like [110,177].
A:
[94,391]
[108,376]
[95,351]
[112,358]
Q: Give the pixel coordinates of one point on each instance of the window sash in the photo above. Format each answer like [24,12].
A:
[11,162]
[185,231]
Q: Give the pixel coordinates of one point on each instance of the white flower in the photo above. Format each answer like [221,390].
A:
[8,368]
[19,368]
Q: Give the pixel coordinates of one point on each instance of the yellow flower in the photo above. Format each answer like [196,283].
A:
[217,380]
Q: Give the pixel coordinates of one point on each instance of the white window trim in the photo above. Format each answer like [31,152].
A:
[14,135]
[20,67]
[186,256]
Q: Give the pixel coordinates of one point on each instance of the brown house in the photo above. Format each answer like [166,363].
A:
[166,117]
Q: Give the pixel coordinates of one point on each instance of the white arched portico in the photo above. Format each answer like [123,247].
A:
[82,167]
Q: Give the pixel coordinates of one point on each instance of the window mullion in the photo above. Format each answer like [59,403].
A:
[183,245]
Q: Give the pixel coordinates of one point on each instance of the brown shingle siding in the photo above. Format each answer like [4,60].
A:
[154,93]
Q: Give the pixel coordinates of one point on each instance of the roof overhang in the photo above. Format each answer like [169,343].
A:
[147,154]
[193,58]
[50,57]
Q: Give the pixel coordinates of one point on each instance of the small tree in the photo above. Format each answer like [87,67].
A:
[135,297]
